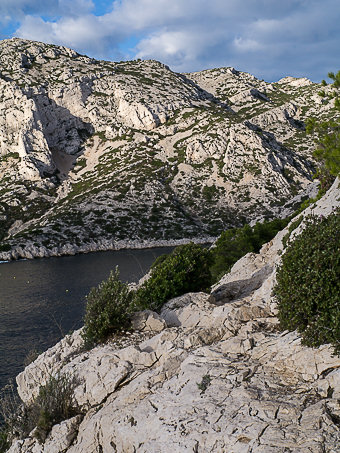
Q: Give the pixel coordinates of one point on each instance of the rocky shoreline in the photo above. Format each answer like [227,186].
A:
[31,251]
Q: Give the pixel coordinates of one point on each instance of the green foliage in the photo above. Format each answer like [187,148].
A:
[4,444]
[185,269]
[189,268]
[236,242]
[230,246]
[5,247]
[159,260]
[328,133]
[107,309]
[335,78]
[54,403]
[329,146]
[308,284]
[110,305]
[291,228]
[204,384]
[209,192]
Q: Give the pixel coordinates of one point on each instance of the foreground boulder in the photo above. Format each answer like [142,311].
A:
[212,373]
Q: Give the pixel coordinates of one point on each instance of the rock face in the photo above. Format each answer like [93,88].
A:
[96,154]
[215,375]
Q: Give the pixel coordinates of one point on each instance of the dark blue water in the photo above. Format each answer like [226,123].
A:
[42,300]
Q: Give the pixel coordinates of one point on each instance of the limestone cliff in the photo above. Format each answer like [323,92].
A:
[211,373]
[99,155]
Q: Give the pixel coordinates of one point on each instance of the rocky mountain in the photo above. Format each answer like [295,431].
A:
[211,373]
[99,155]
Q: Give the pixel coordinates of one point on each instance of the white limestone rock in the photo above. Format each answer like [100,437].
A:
[148,321]
[133,140]
[84,142]
[50,362]
[217,378]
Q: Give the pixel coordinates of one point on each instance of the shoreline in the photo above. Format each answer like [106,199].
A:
[31,251]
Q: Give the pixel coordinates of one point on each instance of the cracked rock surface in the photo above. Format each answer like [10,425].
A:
[211,377]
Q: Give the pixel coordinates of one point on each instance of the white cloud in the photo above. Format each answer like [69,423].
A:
[247,45]
[267,38]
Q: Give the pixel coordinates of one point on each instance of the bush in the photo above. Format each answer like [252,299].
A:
[54,403]
[328,134]
[230,246]
[308,284]
[189,268]
[236,242]
[110,305]
[209,192]
[159,260]
[185,269]
[107,309]
[5,247]
[4,444]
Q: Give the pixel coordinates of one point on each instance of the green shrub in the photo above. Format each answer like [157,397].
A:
[107,309]
[209,192]
[308,284]
[4,444]
[5,247]
[264,232]
[328,133]
[230,246]
[186,269]
[236,242]
[291,228]
[159,260]
[54,403]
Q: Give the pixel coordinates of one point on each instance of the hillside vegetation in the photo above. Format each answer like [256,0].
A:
[104,155]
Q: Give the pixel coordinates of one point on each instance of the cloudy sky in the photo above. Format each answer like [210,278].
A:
[268,38]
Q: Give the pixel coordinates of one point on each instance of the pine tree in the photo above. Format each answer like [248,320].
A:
[328,136]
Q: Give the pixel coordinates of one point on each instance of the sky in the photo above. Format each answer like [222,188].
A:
[268,38]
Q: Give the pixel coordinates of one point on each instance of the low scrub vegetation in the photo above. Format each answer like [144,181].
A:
[111,304]
[107,310]
[308,285]
[189,268]
[236,242]
[54,403]
[327,134]
[186,269]
[195,268]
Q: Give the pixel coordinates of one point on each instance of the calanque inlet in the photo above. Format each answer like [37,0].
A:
[215,349]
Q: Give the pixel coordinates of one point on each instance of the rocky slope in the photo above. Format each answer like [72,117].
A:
[98,155]
[211,373]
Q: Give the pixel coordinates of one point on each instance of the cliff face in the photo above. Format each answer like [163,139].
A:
[95,154]
[211,373]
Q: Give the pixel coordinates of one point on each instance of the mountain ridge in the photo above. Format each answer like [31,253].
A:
[96,152]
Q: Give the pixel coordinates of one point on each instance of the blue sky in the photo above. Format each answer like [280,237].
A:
[268,38]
